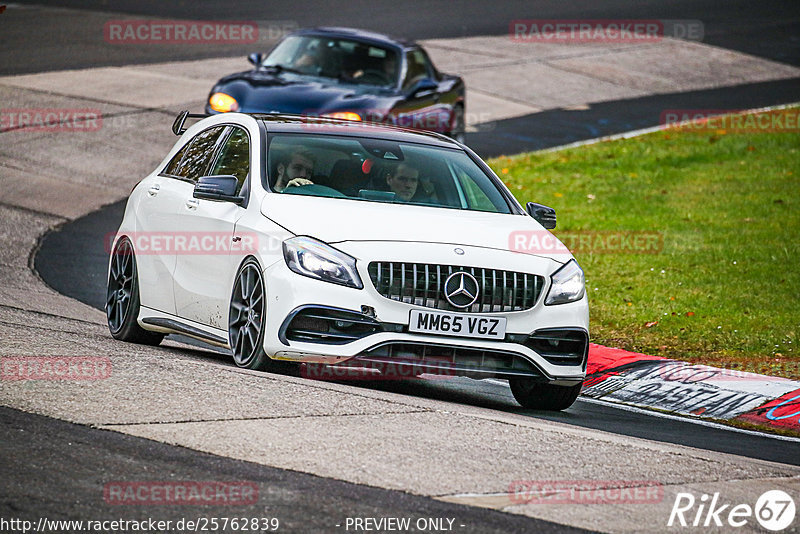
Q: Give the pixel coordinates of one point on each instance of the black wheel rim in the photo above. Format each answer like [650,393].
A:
[120,285]
[246,314]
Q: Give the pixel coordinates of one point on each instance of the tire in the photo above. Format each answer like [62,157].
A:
[457,126]
[543,396]
[246,321]
[122,298]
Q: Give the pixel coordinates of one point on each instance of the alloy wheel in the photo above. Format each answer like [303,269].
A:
[246,314]
[120,286]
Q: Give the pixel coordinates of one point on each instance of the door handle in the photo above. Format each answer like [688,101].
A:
[154,189]
[192,203]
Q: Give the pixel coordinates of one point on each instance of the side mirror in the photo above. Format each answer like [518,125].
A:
[542,214]
[255,58]
[423,88]
[221,188]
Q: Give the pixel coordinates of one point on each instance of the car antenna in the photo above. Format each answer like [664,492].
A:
[177,126]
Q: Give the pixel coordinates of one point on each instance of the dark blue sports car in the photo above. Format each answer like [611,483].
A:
[347,74]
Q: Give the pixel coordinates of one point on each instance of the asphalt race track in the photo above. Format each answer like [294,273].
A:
[302,503]
[76,252]
[52,467]
[768,28]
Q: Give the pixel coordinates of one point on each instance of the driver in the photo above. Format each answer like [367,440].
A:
[295,169]
[311,59]
[388,72]
[403,181]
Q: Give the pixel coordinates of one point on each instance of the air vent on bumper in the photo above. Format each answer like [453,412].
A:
[448,359]
[560,346]
[333,326]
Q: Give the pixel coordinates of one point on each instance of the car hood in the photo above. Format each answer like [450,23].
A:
[340,220]
[259,91]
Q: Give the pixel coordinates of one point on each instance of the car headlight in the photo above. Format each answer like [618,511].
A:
[222,102]
[568,284]
[315,259]
[346,115]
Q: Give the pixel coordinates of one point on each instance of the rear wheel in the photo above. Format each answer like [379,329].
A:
[542,396]
[122,298]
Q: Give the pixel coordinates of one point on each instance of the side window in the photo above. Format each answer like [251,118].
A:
[432,72]
[417,68]
[473,194]
[172,166]
[234,158]
[198,154]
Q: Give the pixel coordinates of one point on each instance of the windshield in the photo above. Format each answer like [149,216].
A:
[374,170]
[343,59]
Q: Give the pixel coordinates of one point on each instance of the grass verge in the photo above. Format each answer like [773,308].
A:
[723,288]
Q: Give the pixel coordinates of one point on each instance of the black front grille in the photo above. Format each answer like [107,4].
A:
[423,284]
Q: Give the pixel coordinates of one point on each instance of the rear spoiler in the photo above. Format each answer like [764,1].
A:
[177,126]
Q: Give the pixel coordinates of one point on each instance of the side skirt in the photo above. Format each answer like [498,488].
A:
[149,319]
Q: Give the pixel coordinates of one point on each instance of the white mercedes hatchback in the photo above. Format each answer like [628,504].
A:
[332,243]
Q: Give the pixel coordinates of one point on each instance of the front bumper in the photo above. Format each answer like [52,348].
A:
[375,329]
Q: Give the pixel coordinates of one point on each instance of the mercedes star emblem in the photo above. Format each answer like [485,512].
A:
[461,289]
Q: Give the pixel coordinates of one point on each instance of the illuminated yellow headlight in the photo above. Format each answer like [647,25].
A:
[346,115]
[222,102]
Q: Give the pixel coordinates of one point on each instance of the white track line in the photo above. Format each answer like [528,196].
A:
[660,127]
[684,419]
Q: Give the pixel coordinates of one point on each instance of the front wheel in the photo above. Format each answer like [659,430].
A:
[122,298]
[543,396]
[247,320]
[246,317]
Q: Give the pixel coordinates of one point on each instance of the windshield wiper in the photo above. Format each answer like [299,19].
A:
[283,68]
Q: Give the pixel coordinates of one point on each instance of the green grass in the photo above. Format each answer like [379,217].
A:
[725,288]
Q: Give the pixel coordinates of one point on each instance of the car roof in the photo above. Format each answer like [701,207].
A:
[356,34]
[285,123]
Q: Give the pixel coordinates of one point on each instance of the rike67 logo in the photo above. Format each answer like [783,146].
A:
[774,510]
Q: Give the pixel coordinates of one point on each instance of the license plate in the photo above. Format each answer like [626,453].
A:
[457,324]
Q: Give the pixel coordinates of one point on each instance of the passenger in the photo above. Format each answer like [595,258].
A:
[295,170]
[426,192]
[390,66]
